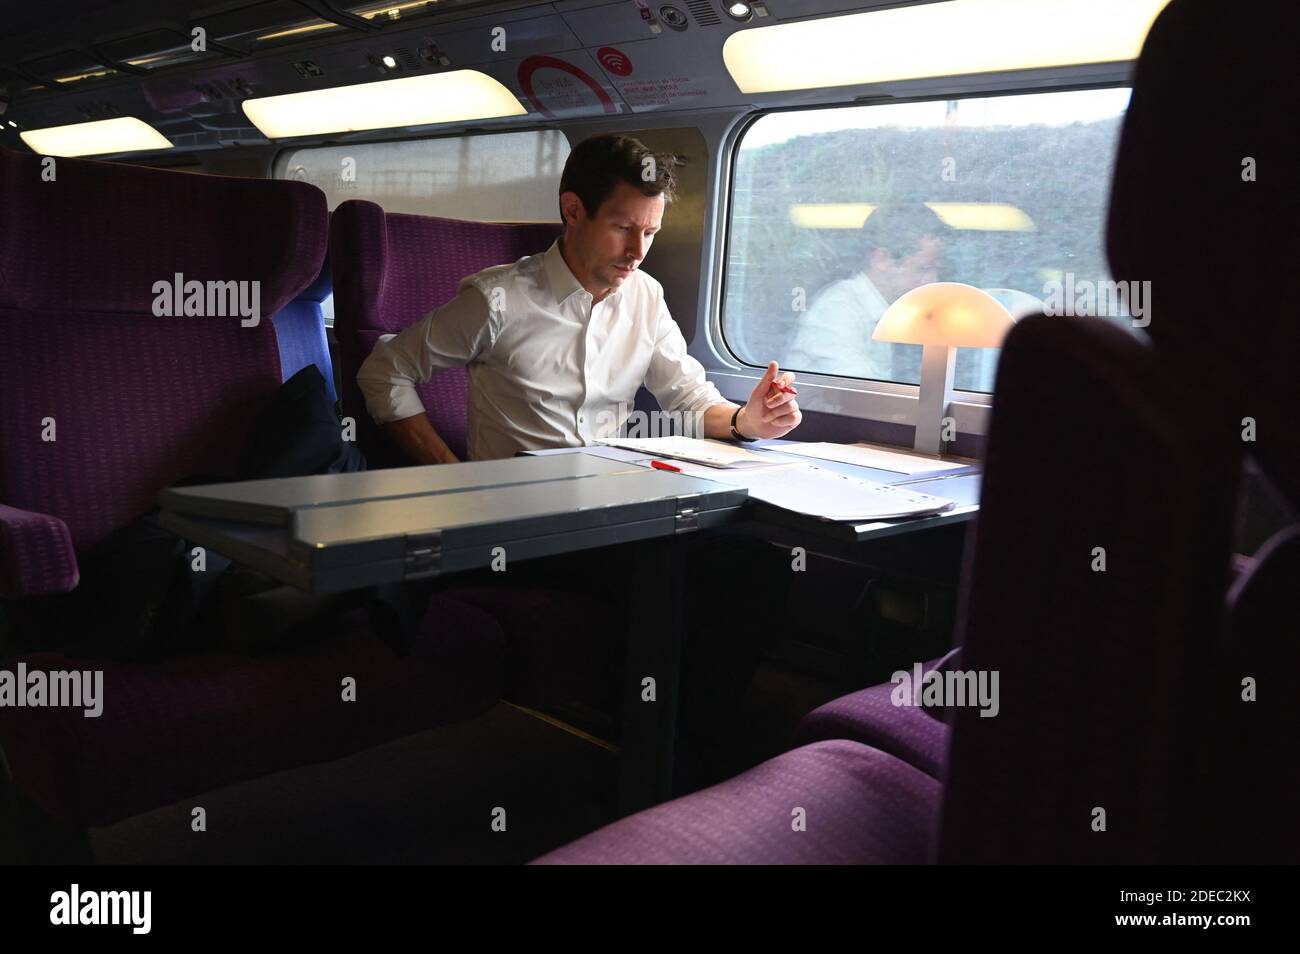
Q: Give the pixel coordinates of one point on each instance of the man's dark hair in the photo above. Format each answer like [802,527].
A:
[898,227]
[594,169]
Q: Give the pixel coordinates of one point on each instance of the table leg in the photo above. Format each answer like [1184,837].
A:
[654,653]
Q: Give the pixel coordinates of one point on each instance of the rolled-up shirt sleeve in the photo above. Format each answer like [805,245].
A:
[448,337]
[674,377]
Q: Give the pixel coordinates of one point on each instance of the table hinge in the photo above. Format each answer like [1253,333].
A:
[423,556]
[688,515]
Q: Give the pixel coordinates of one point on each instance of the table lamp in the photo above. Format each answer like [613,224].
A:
[942,317]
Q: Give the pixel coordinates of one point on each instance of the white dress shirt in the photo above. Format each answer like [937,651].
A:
[546,368]
[834,335]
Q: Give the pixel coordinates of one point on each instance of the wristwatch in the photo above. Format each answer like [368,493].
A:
[735,434]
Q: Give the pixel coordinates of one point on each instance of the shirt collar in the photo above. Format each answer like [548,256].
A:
[866,289]
[562,281]
[563,284]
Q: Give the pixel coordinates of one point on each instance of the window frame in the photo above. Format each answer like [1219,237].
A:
[861,398]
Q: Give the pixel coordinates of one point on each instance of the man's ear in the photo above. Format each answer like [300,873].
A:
[571,206]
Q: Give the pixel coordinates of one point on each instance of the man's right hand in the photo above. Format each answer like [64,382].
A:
[419,442]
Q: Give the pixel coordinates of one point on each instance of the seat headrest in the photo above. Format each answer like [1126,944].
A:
[1202,207]
[394,267]
[113,218]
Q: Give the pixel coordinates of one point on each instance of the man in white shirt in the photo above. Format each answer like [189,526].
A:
[558,344]
[904,250]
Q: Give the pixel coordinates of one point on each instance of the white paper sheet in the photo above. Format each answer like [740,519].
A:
[817,492]
[711,453]
[865,455]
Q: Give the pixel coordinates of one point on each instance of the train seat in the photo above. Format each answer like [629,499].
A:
[916,734]
[103,404]
[390,270]
[170,725]
[1257,690]
[1190,166]
[833,802]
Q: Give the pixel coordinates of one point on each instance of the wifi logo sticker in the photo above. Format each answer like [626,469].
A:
[614,60]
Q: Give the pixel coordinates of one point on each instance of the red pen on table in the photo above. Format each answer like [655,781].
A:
[661,465]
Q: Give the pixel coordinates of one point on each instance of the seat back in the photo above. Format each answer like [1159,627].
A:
[392,269]
[1095,593]
[102,402]
[1203,207]
[1257,718]
[1196,211]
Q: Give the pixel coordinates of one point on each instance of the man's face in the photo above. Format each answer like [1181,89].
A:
[895,276]
[603,251]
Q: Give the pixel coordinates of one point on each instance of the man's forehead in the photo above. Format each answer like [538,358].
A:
[928,247]
[629,202]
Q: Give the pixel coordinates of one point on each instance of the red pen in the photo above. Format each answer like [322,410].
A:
[782,387]
[660,465]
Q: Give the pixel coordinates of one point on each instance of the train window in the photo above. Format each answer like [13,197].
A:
[503,177]
[837,212]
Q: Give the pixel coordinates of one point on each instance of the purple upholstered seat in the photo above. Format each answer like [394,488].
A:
[1102,666]
[392,269]
[916,734]
[132,409]
[103,404]
[1256,697]
[177,727]
[1193,213]
[859,806]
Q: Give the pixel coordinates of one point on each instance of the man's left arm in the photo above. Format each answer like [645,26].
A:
[678,381]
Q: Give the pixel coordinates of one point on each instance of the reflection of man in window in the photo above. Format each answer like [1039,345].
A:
[903,249]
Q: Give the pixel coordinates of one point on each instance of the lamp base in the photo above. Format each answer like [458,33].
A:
[938,364]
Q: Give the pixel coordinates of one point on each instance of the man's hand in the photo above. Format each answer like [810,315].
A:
[772,410]
[416,438]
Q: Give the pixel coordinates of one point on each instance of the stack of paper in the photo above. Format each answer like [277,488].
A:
[865,455]
[709,453]
[812,490]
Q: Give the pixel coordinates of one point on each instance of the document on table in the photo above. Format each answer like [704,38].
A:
[817,492]
[866,455]
[710,453]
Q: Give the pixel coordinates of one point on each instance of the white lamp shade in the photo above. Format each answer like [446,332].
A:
[1017,302]
[945,313]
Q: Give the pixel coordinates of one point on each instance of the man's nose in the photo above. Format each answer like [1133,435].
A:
[636,248]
